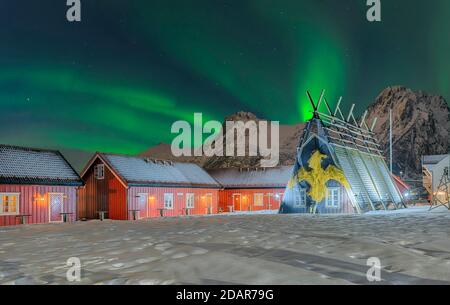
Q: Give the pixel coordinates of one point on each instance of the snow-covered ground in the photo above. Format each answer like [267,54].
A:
[413,246]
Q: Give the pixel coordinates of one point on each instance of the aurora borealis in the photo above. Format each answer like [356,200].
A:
[117,80]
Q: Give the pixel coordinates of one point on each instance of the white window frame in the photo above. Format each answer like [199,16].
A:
[97,171]
[17,204]
[302,197]
[280,196]
[255,201]
[330,194]
[190,200]
[166,196]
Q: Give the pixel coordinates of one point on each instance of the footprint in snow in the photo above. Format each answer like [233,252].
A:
[179,255]
[199,251]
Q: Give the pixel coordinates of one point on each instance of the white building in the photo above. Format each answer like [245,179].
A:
[436,177]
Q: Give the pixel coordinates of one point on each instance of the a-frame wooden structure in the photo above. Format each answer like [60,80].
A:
[339,166]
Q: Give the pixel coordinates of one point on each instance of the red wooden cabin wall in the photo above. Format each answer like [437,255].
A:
[34,200]
[247,199]
[107,194]
[156,200]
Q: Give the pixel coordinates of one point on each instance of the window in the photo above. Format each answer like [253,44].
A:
[300,198]
[333,197]
[168,201]
[259,199]
[190,200]
[9,203]
[99,171]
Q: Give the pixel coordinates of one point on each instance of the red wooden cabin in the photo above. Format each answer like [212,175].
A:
[36,186]
[251,189]
[128,187]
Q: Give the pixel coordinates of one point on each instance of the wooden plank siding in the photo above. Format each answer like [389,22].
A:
[107,194]
[156,200]
[247,198]
[34,200]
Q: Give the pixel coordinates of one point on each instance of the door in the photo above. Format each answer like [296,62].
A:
[152,206]
[237,202]
[143,205]
[56,207]
[209,205]
[245,203]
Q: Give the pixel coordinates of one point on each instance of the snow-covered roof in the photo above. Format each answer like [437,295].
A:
[145,171]
[251,178]
[433,159]
[20,165]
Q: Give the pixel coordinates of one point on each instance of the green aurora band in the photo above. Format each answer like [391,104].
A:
[118,80]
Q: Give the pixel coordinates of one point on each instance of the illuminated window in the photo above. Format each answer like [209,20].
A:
[333,196]
[259,199]
[168,201]
[190,200]
[99,171]
[9,203]
[300,198]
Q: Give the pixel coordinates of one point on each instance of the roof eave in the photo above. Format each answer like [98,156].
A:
[16,181]
[172,185]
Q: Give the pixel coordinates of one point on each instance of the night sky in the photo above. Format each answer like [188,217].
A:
[117,80]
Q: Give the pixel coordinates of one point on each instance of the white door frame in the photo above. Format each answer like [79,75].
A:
[240,200]
[50,207]
[210,207]
[146,204]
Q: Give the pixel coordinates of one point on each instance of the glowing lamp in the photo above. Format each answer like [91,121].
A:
[39,197]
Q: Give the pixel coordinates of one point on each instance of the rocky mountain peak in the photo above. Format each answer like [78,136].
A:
[242,116]
[420,126]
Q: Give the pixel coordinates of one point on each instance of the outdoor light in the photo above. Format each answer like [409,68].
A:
[39,197]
